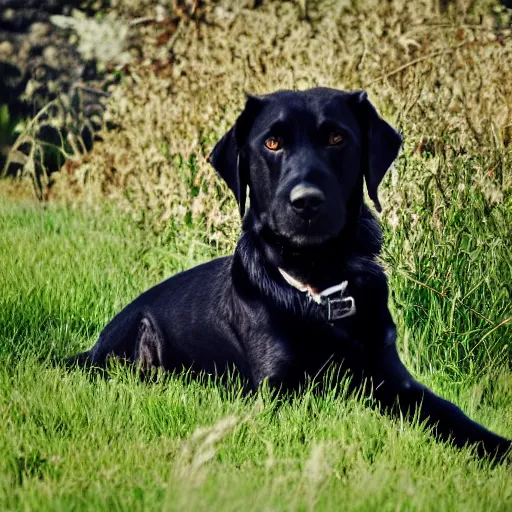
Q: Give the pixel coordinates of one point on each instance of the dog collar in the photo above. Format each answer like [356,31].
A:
[333,299]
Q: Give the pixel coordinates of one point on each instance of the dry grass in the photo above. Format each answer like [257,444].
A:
[444,79]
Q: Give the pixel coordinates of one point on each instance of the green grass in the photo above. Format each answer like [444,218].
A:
[72,441]
[450,266]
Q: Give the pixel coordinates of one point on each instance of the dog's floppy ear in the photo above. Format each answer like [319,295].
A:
[382,145]
[226,157]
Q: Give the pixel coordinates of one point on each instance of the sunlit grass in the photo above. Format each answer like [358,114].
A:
[72,440]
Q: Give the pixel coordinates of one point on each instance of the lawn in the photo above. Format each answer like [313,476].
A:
[145,204]
[69,440]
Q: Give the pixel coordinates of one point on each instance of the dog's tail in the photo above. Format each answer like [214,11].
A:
[82,360]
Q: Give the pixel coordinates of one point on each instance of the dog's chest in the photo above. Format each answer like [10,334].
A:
[289,351]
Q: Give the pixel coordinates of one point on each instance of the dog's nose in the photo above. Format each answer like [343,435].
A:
[306,200]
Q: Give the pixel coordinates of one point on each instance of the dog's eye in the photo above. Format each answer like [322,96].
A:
[273,143]
[335,138]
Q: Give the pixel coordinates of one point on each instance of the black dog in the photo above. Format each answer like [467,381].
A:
[303,290]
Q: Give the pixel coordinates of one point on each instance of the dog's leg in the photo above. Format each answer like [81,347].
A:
[393,385]
[149,346]
[133,338]
[142,343]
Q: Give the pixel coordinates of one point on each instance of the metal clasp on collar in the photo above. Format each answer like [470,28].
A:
[336,307]
[339,306]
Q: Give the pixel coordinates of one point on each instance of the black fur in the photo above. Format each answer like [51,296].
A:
[238,311]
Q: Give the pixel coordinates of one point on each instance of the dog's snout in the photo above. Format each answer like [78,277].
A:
[306,200]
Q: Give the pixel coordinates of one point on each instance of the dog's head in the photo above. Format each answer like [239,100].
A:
[303,156]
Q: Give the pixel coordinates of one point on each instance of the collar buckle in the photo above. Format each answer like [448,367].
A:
[336,305]
[337,309]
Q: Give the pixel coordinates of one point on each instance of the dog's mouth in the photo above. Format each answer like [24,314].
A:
[302,241]
[300,234]
[306,238]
